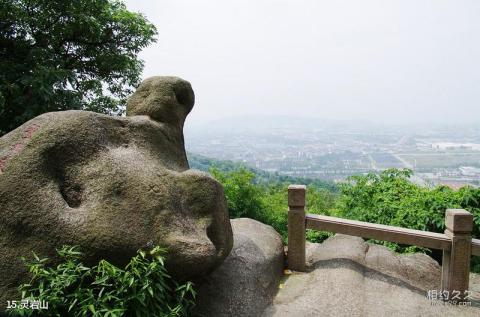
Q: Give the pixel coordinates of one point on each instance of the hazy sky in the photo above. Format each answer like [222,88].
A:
[383,61]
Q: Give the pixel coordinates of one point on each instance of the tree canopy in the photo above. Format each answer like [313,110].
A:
[64,54]
[390,198]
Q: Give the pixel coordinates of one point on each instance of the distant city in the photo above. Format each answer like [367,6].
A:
[314,148]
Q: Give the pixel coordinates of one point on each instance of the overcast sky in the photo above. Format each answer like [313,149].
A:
[382,61]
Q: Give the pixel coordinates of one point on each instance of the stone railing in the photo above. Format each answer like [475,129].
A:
[457,243]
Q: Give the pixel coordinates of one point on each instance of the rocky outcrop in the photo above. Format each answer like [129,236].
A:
[245,284]
[110,185]
[345,277]
[349,277]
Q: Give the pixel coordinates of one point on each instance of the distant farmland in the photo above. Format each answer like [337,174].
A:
[386,160]
[441,160]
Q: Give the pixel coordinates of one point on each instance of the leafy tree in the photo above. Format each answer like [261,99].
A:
[64,54]
[268,202]
[142,288]
[391,199]
[243,197]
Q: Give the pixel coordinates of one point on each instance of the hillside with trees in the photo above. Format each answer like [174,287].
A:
[261,177]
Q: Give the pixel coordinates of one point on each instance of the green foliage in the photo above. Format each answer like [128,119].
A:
[262,196]
[59,55]
[391,199]
[142,288]
[244,198]
[268,202]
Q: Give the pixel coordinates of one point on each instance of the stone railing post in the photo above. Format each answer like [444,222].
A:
[296,227]
[456,262]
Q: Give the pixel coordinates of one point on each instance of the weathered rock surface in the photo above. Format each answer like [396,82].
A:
[110,185]
[245,284]
[348,277]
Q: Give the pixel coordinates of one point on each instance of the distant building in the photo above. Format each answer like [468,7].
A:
[470,171]
[453,146]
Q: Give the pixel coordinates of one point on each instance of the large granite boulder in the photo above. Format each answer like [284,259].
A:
[349,277]
[246,283]
[110,185]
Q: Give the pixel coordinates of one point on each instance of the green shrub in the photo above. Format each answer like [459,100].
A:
[390,198]
[142,288]
[268,203]
[243,196]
